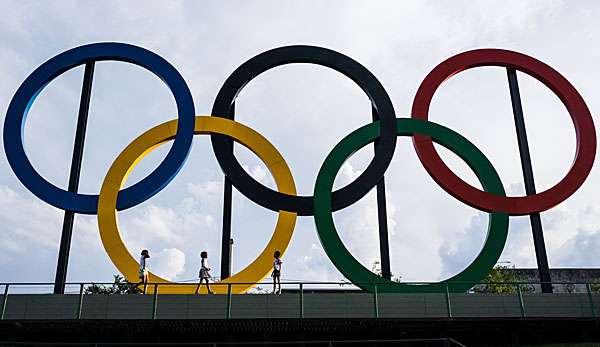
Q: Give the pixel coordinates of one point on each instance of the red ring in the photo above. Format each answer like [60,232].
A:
[455,186]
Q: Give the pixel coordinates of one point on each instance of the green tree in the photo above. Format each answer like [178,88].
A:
[376,268]
[120,286]
[595,286]
[502,281]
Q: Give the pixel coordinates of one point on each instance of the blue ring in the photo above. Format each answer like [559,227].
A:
[33,85]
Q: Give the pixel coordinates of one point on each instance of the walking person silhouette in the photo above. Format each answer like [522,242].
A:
[276,274]
[143,272]
[204,272]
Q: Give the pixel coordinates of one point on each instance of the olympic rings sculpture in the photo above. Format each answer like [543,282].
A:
[222,129]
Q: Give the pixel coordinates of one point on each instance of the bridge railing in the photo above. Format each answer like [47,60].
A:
[300,300]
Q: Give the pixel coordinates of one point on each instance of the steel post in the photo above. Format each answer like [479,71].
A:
[536,222]
[301,300]
[376,301]
[521,303]
[80,303]
[155,301]
[228,314]
[4,301]
[384,246]
[448,305]
[591,299]
[226,245]
[69,218]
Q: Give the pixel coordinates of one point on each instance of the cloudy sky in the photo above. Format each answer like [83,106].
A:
[304,110]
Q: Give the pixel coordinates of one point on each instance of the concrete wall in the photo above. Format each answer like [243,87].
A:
[317,305]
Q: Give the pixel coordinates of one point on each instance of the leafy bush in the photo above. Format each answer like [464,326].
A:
[501,281]
[120,286]
[595,286]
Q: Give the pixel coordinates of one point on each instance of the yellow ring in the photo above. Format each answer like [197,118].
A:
[148,141]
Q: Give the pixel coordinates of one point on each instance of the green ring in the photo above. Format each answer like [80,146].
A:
[354,270]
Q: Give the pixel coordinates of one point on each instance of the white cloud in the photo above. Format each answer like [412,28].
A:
[26,222]
[155,223]
[580,250]
[348,174]
[315,266]
[169,262]
[258,172]
[205,190]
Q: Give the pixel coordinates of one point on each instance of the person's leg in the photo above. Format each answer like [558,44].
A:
[145,282]
[279,283]
[198,287]
[141,277]
[208,286]
[274,283]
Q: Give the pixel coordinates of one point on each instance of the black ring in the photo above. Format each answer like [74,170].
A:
[303,205]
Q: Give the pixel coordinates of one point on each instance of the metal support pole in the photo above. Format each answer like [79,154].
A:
[448,306]
[301,300]
[230,254]
[376,301]
[226,233]
[384,246]
[591,299]
[228,300]
[67,229]
[155,301]
[521,304]
[80,303]
[536,222]
[4,301]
